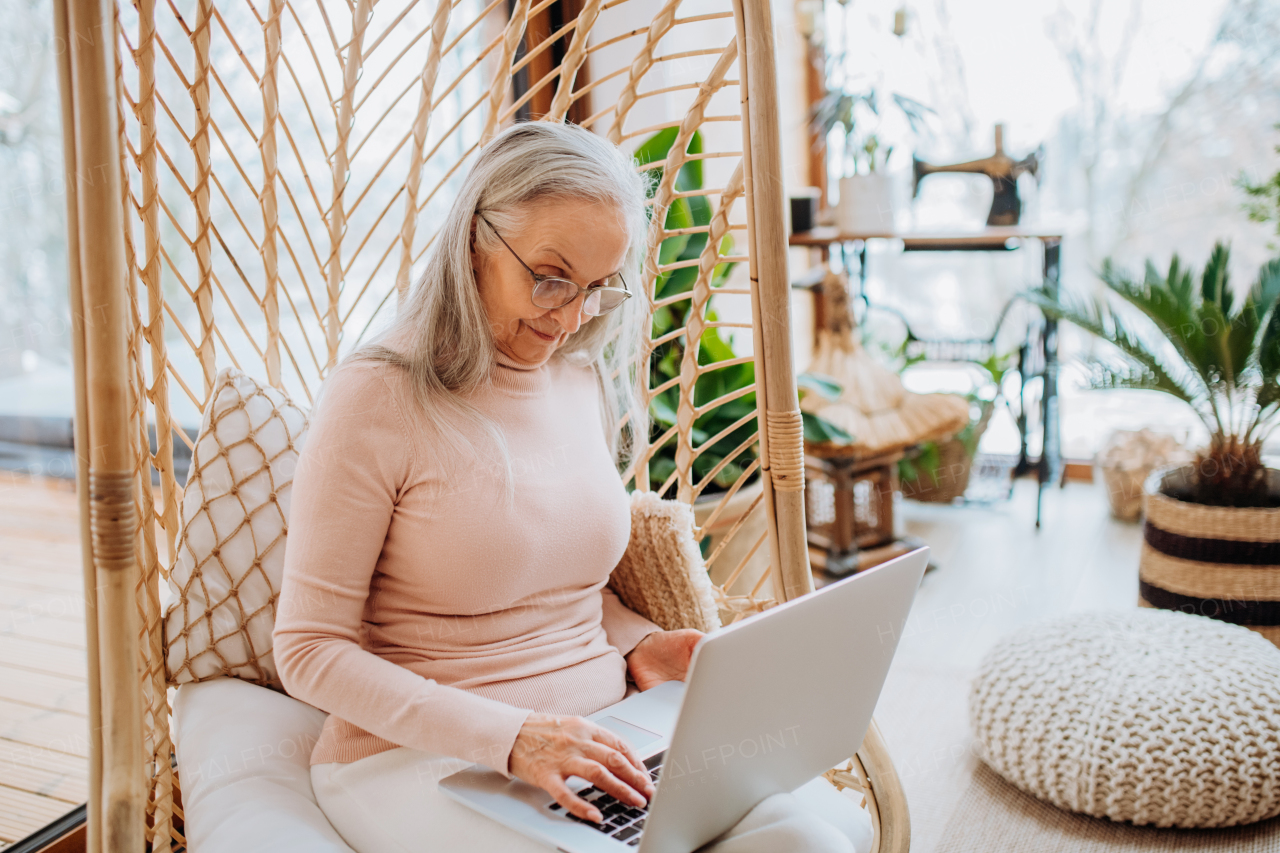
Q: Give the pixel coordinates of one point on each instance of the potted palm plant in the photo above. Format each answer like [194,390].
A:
[1212,531]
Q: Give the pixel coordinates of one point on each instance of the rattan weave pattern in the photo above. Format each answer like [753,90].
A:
[1210,580]
[1210,522]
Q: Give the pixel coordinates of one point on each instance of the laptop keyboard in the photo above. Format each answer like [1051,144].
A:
[621,821]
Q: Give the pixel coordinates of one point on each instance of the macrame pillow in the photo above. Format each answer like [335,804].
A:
[235,510]
[1151,716]
[661,575]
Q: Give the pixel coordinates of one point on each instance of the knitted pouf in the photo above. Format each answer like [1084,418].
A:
[1152,716]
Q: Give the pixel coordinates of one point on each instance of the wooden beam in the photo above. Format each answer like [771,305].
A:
[815,85]
[112,514]
[781,439]
[80,426]
[538,30]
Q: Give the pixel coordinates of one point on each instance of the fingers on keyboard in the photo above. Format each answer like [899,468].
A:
[620,821]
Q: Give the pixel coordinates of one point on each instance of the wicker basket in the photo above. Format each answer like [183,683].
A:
[1124,490]
[948,481]
[1127,459]
[1221,562]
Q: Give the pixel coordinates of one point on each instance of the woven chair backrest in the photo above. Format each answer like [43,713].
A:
[283,166]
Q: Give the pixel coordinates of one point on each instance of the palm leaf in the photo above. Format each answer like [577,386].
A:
[820,431]
[913,110]
[1169,304]
[1178,282]
[1214,285]
[820,384]
[1266,290]
[1242,337]
[1129,377]
[1215,330]
[1228,349]
[1268,395]
[1097,317]
[1267,294]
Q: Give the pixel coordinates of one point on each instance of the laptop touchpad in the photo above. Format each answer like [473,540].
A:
[634,735]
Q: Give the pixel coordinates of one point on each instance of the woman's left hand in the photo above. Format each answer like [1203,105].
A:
[662,656]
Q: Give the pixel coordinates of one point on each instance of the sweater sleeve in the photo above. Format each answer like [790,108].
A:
[623,626]
[351,470]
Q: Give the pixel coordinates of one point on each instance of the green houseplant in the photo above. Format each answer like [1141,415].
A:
[684,213]
[1219,352]
[859,114]
[688,212]
[866,192]
[939,472]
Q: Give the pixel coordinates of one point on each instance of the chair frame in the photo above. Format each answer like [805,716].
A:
[127,683]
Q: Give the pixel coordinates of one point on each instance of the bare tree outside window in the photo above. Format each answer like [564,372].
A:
[33,301]
[1149,113]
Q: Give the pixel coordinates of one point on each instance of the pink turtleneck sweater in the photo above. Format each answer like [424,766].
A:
[421,610]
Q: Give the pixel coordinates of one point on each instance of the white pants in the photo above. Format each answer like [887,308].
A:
[390,803]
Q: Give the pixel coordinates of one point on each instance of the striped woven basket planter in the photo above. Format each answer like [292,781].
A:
[1221,562]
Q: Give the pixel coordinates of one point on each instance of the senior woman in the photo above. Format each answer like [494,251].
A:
[456,514]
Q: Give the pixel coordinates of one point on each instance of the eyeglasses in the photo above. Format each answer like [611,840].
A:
[551,291]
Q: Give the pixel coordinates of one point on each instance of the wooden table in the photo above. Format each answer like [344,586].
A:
[1048,467]
[987,238]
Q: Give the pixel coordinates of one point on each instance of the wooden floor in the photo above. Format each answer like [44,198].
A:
[44,745]
[995,573]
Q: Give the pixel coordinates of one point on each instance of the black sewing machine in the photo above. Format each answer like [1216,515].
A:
[1003,171]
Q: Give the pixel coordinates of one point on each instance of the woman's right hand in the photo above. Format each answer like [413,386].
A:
[551,748]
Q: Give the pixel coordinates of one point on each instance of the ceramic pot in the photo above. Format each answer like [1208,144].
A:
[1216,561]
[866,204]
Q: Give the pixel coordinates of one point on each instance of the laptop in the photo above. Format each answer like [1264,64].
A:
[770,702]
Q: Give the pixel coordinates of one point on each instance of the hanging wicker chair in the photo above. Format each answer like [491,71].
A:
[256,187]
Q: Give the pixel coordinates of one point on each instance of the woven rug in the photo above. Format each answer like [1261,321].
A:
[995,816]
[959,805]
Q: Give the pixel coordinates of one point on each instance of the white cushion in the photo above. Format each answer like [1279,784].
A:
[243,757]
[226,578]
[1150,716]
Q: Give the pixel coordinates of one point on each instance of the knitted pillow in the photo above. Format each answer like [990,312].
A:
[235,508]
[661,576]
[1152,716]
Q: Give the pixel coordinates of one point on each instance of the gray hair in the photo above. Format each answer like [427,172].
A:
[452,348]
